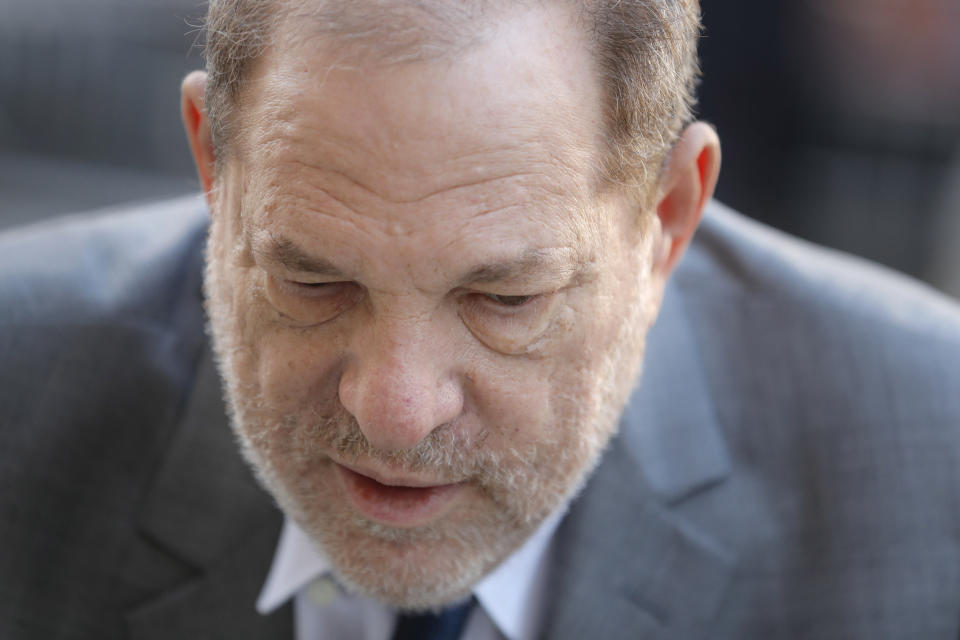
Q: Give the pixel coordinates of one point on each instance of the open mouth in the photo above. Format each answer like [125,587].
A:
[397,504]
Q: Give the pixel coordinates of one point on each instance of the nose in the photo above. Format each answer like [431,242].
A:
[399,384]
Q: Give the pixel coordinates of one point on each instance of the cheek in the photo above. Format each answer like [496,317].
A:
[297,371]
[526,402]
[512,403]
[278,367]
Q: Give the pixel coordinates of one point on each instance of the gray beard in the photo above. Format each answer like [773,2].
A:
[369,558]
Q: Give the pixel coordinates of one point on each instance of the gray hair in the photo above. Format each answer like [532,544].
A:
[645,49]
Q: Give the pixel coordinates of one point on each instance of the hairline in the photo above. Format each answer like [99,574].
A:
[418,44]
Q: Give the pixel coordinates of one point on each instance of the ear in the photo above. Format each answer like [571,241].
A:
[685,186]
[197,125]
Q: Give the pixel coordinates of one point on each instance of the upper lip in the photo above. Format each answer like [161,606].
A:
[394,481]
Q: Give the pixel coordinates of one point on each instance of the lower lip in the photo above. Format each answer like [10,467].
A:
[397,506]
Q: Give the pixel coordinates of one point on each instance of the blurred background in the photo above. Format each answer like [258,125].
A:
[840,120]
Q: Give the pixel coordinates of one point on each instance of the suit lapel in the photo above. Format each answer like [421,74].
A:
[627,565]
[206,510]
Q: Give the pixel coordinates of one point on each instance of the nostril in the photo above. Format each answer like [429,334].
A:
[394,409]
[397,384]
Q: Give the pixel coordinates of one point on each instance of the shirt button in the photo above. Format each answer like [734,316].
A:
[323,592]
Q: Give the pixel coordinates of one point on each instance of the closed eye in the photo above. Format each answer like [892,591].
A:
[310,303]
[316,288]
[508,323]
[509,301]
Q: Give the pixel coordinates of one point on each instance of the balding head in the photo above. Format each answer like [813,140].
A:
[645,52]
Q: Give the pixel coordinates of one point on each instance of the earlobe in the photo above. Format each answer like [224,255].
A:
[685,186]
[197,127]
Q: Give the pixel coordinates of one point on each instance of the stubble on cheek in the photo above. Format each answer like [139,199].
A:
[520,468]
[422,567]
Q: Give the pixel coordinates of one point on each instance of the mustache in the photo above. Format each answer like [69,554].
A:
[447,452]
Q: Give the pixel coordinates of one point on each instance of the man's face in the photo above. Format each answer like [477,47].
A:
[427,311]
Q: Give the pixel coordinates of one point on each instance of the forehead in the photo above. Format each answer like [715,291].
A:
[510,122]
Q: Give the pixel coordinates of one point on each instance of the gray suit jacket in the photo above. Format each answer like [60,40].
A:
[789,466]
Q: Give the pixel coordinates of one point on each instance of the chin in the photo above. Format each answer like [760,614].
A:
[409,576]
[422,568]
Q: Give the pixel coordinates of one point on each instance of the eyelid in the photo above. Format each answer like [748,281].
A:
[303,304]
[303,286]
[484,302]
[306,290]
[511,330]
[526,299]
[312,285]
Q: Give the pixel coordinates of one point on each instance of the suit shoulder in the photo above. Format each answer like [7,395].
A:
[833,383]
[117,265]
[747,261]
[100,339]
[819,339]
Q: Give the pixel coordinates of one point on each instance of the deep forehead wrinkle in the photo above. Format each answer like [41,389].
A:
[323,187]
[561,264]
[340,166]
[526,178]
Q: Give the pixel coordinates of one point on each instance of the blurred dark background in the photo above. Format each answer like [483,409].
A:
[89,103]
[840,123]
[840,120]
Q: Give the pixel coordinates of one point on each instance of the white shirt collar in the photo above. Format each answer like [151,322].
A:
[513,595]
[295,565]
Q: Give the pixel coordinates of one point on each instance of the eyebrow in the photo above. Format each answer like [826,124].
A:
[286,253]
[529,261]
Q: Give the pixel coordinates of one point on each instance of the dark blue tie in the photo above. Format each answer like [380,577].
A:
[445,625]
